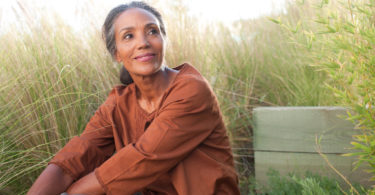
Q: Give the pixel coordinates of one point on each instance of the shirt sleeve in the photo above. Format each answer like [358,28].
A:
[187,118]
[82,154]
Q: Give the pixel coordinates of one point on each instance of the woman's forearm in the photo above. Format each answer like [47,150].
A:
[51,181]
[88,184]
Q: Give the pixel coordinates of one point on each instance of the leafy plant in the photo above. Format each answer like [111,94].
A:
[343,45]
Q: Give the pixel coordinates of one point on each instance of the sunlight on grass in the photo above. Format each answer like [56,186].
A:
[53,79]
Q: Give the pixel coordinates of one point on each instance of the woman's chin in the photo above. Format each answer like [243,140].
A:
[146,72]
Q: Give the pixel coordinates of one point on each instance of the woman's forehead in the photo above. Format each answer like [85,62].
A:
[135,17]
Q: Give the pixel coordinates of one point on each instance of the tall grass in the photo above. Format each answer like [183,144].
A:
[343,40]
[52,81]
[54,78]
[309,184]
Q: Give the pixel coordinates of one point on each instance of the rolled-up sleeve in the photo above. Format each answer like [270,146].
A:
[184,121]
[82,154]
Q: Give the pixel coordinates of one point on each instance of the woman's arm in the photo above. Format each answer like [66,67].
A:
[86,185]
[54,181]
[81,155]
[51,181]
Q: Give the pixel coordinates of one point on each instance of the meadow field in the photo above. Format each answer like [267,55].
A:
[53,78]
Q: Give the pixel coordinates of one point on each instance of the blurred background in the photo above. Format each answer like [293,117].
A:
[55,70]
[80,13]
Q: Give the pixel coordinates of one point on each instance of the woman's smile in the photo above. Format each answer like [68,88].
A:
[145,57]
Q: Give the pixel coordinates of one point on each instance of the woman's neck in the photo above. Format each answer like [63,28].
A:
[150,88]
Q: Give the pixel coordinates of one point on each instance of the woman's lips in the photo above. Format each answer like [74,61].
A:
[145,57]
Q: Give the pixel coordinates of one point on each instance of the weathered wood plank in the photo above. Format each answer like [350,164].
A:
[295,128]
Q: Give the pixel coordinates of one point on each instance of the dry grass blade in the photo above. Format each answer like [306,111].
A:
[318,149]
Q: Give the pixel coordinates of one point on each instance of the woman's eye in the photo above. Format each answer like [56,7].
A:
[153,32]
[127,36]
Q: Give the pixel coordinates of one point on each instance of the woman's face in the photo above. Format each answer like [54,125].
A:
[139,42]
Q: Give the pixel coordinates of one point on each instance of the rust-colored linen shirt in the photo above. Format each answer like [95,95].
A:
[180,148]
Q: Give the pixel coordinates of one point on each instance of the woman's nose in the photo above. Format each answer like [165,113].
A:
[142,42]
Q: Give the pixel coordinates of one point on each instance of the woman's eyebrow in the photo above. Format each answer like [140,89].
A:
[150,24]
[131,28]
[125,29]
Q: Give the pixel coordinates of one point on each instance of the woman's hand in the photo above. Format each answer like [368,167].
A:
[88,184]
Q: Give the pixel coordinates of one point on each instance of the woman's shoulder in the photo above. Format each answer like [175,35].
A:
[190,77]
[188,70]
[189,84]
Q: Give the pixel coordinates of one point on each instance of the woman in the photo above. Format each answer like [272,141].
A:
[162,133]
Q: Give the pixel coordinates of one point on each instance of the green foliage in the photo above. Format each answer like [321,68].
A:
[344,46]
[54,78]
[309,184]
[52,82]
